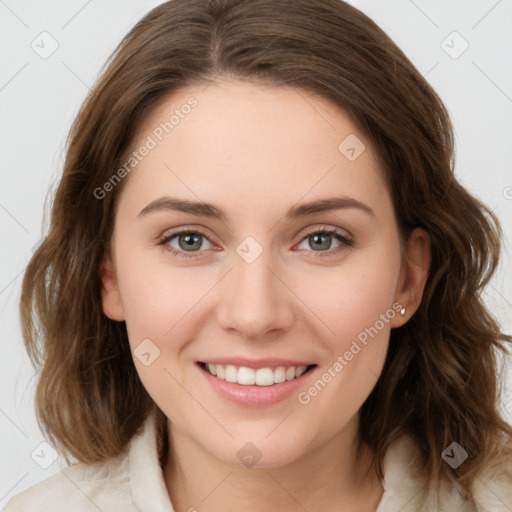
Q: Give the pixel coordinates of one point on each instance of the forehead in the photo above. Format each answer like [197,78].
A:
[230,140]
[266,119]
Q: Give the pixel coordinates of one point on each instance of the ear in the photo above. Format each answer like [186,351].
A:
[111,298]
[413,275]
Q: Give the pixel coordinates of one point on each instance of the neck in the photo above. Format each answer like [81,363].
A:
[317,480]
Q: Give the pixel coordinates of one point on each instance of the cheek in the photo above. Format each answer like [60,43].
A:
[155,296]
[358,308]
[353,297]
[159,303]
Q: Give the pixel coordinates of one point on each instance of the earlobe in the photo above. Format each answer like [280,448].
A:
[413,276]
[110,296]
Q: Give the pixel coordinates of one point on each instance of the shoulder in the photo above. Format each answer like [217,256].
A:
[404,483]
[130,482]
[493,487]
[79,487]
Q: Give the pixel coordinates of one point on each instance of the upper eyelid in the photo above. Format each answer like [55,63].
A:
[330,229]
[168,235]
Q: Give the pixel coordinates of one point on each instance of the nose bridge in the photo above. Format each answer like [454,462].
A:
[255,300]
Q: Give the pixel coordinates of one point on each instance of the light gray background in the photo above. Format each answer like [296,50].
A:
[40,97]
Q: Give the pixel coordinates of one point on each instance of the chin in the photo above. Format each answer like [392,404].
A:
[259,453]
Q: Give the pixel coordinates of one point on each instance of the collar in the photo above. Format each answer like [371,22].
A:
[146,476]
[403,481]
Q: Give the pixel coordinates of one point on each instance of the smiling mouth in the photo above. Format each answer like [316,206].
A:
[250,377]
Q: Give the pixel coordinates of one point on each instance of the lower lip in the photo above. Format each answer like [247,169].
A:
[255,395]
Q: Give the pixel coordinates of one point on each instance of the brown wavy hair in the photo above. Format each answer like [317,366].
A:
[440,379]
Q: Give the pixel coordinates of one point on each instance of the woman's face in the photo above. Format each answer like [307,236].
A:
[254,281]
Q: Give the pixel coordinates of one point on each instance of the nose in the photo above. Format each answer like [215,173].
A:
[255,299]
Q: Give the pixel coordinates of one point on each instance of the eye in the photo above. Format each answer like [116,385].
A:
[187,241]
[321,241]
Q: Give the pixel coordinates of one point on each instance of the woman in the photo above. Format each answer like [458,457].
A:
[260,287]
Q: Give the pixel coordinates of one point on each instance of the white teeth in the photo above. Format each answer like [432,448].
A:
[264,377]
[261,377]
[279,374]
[300,370]
[231,373]
[246,376]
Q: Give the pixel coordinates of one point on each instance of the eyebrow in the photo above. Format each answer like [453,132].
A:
[212,211]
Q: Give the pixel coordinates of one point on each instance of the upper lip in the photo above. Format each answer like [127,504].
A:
[256,363]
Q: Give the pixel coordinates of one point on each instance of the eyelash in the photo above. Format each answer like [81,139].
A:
[345,241]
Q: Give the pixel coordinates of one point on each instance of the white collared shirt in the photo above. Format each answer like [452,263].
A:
[134,482]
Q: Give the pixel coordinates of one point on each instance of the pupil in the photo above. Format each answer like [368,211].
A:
[326,245]
[190,240]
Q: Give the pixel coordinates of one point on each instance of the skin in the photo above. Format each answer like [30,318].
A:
[255,151]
